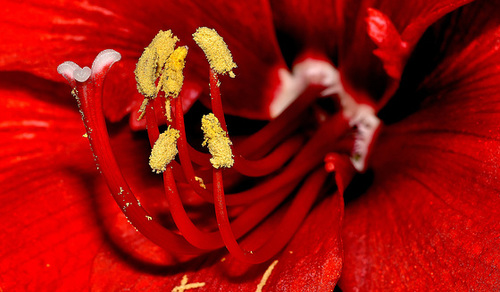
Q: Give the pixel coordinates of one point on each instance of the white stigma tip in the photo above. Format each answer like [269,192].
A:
[82,75]
[66,69]
[104,60]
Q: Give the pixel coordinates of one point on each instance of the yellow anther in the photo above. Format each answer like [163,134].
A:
[218,55]
[172,78]
[218,142]
[152,61]
[164,150]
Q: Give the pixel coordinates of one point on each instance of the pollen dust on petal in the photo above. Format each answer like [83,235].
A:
[266,276]
[185,286]
[164,150]
[218,142]
[218,55]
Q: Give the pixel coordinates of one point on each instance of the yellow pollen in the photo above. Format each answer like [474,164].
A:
[218,142]
[168,110]
[142,108]
[185,286]
[200,181]
[172,78]
[152,62]
[218,55]
[266,276]
[164,150]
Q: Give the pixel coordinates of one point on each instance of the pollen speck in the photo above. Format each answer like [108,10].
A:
[152,61]
[164,150]
[200,181]
[218,55]
[85,135]
[218,142]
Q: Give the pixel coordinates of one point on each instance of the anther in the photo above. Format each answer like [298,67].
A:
[164,150]
[152,61]
[218,142]
[218,55]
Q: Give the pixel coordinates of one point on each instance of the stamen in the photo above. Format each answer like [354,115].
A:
[152,61]
[164,150]
[215,49]
[287,159]
[218,142]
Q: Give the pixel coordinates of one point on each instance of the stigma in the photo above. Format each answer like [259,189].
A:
[288,160]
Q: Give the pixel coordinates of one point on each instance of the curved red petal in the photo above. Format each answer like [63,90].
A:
[55,208]
[362,71]
[430,218]
[48,235]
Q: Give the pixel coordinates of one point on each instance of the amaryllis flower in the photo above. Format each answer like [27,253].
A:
[388,108]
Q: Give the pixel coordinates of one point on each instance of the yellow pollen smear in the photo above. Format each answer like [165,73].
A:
[168,110]
[152,61]
[200,181]
[218,142]
[215,49]
[164,150]
[172,78]
[142,109]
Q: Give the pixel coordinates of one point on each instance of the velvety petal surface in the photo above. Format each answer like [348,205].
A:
[311,262]
[53,203]
[39,36]
[48,236]
[430,219]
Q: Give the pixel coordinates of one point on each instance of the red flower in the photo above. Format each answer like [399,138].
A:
[424,215]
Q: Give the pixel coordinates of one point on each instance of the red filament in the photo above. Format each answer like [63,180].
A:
[281,165]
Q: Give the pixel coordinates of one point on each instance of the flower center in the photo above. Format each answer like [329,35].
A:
[287,162]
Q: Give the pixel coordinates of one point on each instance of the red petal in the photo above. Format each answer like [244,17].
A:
[308,25]
[49,235]
[311,261]
[37,38]
[430,219]
[362,71]
[53,204]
